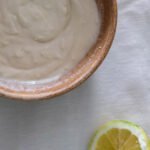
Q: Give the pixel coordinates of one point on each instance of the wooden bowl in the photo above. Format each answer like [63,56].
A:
[22,91]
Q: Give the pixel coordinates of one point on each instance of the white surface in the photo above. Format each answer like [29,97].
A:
[119,90]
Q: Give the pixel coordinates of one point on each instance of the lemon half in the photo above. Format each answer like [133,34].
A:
[120,135]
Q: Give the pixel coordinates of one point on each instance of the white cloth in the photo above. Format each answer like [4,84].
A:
[120,89]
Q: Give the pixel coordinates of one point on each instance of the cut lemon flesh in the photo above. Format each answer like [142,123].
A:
[120,135]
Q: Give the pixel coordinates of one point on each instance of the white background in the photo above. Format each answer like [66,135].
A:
[120,89]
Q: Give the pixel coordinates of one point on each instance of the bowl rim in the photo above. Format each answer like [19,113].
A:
[47,95]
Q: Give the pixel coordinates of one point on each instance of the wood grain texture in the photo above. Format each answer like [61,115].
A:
[108,11]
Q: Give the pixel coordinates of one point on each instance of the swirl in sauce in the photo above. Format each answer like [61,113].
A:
[42,39]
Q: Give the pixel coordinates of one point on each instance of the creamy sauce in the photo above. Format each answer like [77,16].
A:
[42,39]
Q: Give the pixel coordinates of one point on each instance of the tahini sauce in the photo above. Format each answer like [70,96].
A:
[41,39]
